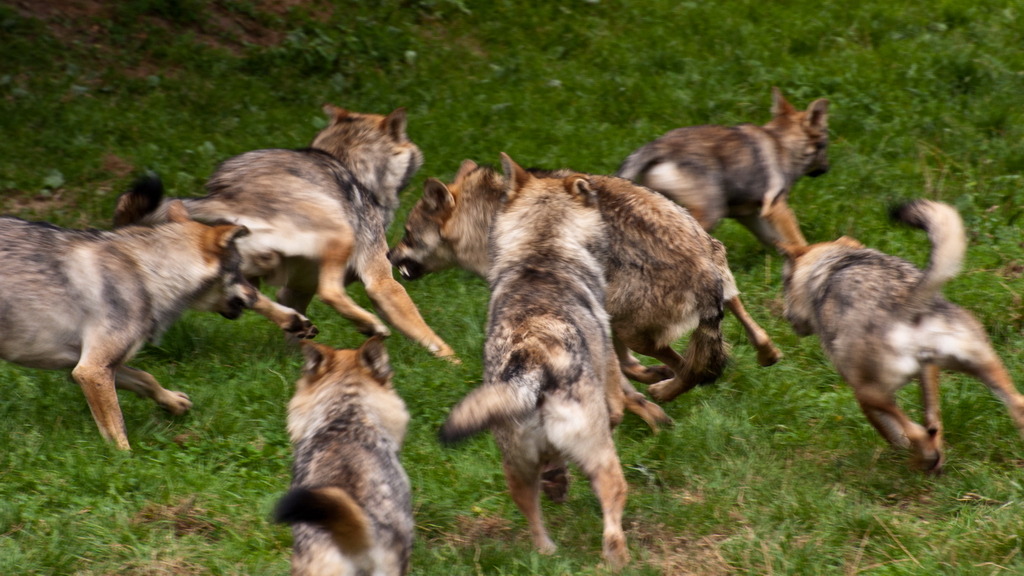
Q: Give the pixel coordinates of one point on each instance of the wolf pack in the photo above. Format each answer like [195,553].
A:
[584,270]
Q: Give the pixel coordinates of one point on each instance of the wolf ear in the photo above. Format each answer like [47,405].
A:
[780,106]
[228,234]
[849,242]
[790,250]
[817,114]
[464,170]
[374,356]
[336,113]
[581,187]
[394,124]
[316,356]
[436,196]
[516,176]
[176,212]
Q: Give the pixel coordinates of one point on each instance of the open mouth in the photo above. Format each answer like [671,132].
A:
[409,269]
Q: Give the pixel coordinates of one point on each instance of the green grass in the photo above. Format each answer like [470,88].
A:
[769,471]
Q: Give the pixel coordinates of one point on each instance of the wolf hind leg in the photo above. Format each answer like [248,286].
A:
[634,370]
[703,362]
[899,430]
[143,384]
[523,480]
[96,379]
[767,353]
[993,373]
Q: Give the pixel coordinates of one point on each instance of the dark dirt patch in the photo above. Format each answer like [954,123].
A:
[679,554]
[184,517]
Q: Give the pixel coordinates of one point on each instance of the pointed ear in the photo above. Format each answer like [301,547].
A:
[515,176]
[464,170]
[228,234]
[374,356]
[436,196]
[780,106]
[317,356]
[335,112]
[176,212]
[394,124]
[790,250]
[817,114]
[849,242]
[580,187]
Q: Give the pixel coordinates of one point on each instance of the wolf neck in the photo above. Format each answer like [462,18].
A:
[791,170]
[473,248]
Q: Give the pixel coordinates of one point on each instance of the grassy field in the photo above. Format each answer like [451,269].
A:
[770,471]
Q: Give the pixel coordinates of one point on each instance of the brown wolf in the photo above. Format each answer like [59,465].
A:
[318,219]
[882,322]
[350,504]
[742,172]
[665,275]
[89,300]
[551,389]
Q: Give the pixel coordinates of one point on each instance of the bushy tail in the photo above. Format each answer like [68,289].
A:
[143,199]
[706,354]
[482,408]
[636,163]
[331,508]
[946,232]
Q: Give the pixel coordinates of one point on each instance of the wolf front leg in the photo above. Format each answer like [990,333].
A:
[97,382]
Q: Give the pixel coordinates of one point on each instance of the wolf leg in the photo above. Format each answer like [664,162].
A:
[97,382]
[776,225]
[291,321]
[634,401]
[394,304]
[595,454]
[767,353]
[993,373]
[331,289]
[634,370]
[524,487]
[883,413]
[932,417]
[143,384]
[703,362]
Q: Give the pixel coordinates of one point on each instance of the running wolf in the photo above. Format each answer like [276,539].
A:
[89,300]
[350,504]
[883,322]
[665,275]
[552,387]
[743,172]
[318,219]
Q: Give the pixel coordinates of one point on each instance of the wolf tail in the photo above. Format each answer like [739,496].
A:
[482,408]
[706,354]
[331,508]
[140,202]
[946,232]
[636,163]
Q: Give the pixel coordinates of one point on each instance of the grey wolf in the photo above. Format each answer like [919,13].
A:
[318,219]
[665,276]
[349,504]
[551,388]
[882,322]
[89,300]
[742,172]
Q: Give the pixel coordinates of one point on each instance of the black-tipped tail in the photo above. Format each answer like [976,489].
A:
[482,408]
[331,508]
[142,199]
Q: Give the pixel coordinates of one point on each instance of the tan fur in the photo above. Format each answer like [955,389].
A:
[883,322]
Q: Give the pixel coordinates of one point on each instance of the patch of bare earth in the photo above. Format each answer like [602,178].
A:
[679,554]
[471,529]
[184,517]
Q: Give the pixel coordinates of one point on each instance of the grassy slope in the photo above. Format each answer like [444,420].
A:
[770,471]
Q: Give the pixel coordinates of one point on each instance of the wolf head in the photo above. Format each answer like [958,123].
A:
[375,148]
[448,226]
[803,133]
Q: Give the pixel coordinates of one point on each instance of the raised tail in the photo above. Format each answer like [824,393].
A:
[946,232]
[140,202]
[636,163]
[482,408]
[331,508]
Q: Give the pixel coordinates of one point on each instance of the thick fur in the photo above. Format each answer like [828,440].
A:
[742,172]
[88,300]
[883,322]
[665,274]
[318,219]
[350,503]
[551,388]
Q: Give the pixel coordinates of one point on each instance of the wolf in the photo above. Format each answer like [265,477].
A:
[551,388]
[743,172]
[350,504]
[89,299]
[665,275]
[882,322]
[318,218]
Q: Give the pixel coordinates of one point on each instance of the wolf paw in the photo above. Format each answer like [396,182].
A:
[176,403]
[374,330]
[301,328]
[768,356]
[647,374]
[664,391]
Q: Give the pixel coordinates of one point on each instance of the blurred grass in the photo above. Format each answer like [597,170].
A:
[770,471]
